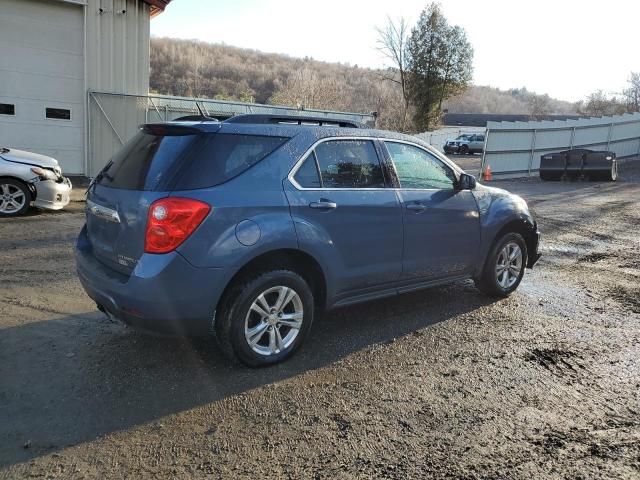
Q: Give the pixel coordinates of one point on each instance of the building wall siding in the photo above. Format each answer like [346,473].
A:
[117,48]
[41,47]
[53,52]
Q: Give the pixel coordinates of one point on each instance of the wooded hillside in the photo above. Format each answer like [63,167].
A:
[192,68]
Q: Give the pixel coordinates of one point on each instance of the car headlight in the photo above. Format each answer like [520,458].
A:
[44,174]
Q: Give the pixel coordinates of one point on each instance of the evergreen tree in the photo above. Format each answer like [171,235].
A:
[440,65]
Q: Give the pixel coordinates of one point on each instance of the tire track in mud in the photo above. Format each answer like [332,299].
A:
[26,303]
[585,393]
[533,386]
[588,406]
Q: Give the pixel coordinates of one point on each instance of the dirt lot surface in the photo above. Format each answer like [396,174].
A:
[444,383]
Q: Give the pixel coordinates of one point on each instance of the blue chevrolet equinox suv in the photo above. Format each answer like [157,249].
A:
[251,227]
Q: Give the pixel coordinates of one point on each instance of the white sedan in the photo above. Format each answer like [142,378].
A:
[29,178]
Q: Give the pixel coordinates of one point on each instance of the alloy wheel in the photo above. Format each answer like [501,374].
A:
[274,320]
[509,265]
[12,198]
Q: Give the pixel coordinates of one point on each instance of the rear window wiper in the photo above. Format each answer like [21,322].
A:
[99,176]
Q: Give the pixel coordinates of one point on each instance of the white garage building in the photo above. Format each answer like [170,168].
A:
[53,53]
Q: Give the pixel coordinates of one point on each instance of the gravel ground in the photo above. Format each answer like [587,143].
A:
[443,383]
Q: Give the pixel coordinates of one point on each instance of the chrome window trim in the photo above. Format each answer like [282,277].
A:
[309,151]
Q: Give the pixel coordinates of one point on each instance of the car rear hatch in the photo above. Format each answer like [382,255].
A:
[118,199]
[159,159]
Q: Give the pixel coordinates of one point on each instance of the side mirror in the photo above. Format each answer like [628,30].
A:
[466,182]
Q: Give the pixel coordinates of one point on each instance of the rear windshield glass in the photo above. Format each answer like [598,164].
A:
[184,162]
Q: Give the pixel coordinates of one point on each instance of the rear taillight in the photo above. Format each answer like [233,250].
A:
[170,222]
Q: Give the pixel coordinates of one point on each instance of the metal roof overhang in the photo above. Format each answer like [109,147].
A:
[157,6]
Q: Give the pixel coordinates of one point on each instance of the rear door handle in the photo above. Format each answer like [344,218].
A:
[324,205]
[416,207]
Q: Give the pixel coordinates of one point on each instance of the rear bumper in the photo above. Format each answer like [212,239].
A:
[52,195]
[164,293]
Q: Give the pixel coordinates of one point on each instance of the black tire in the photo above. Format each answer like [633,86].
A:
[463,150]
[15,186]
[235,311]
[610,175]
[613,175]
[488,282]
[550,177]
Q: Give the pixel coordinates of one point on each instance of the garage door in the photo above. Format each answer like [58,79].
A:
[42,79]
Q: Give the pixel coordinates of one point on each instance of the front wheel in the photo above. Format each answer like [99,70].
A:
[504,268]
[15,198]
[265,321]
[464,150]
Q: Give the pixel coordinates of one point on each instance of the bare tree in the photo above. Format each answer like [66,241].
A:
[392,43]
[230,73]
[599,104]
[632,94]
[197,61]
[306,89]
[539,106]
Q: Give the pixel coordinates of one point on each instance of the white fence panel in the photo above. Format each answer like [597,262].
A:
[513,149]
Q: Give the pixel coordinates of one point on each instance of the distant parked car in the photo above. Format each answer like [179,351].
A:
[253,226]
[29,178]
[465,143]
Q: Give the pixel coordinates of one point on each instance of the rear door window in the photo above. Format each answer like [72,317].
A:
[349,164]
[184,160]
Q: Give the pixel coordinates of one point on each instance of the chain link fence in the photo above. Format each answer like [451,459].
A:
[114,118]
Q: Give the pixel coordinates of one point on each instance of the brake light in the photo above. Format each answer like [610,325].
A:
[170,222]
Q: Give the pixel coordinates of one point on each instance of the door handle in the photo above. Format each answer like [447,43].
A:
[324,205]
[416,207]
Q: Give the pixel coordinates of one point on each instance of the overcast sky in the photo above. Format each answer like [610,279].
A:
[566,48]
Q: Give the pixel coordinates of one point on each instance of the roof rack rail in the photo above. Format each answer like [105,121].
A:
[257,118]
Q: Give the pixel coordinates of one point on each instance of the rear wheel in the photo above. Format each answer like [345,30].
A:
[613,176]
[14,198]
[504,267]
[610,175]
[264,321]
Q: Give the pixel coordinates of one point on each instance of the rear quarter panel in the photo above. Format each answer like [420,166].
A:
[257,200]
